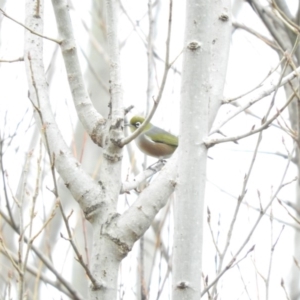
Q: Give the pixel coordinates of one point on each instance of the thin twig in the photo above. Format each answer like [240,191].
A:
[230,100]
[281,15]
[294,218]
[15,263]
[257,34]
[138,131]
[256,208]
[36,273]
[143,37]
[32,215]
[211,232]
[274,196]
[238,205]
[95,283]
[5,185]
[46,262]
[259,94]
[281,80]
[284,289]
[29,29]
[12,60]
[212,142]
[141,177]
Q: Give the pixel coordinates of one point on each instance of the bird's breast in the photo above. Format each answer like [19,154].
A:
[158,150]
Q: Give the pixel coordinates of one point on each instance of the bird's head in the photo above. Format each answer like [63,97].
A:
[136,122]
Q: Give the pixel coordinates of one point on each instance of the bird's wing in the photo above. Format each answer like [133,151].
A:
[162,136]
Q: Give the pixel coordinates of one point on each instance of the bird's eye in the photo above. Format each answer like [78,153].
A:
[137,124]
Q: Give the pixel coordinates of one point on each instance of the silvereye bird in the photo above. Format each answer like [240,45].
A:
[153,140]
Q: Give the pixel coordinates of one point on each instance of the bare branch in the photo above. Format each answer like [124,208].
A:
[46,262]
[274,196]
[29,29]
[12,60]
[91,120]
[37,273]
[257,34]
[257,95]
[231,100]
[211,142]
[137,132]
[96,284]
[149,172]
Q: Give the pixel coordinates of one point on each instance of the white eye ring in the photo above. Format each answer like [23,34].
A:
[137,124]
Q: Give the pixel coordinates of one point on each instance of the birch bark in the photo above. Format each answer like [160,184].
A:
[206,49]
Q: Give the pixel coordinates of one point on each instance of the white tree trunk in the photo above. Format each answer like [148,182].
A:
[96,75]
[206,45]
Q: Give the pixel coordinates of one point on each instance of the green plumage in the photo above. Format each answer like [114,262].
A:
[154,141]
[162,136]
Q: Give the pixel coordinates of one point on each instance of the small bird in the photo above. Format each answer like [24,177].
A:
[153,140]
